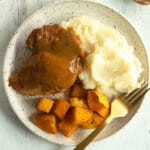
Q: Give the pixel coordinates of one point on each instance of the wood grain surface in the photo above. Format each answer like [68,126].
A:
[13,134]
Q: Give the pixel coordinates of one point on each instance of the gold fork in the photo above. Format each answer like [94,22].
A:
[119,108]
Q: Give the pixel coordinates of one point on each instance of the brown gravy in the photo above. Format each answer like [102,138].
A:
[55,63]
[55,39]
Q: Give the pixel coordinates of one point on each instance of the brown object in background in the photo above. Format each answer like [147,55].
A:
[144,2]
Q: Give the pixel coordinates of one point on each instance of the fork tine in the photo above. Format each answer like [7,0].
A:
[138,96]
[126,96]
[134,97]
[130,96]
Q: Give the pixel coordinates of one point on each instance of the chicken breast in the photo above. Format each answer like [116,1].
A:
[55,39]
[44,73]
[54,65]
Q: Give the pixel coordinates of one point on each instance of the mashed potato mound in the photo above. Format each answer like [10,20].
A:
[110,65]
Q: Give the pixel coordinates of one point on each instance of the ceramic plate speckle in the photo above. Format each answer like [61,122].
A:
[24,106]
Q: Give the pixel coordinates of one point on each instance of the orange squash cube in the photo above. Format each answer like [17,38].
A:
[67,127]
[60,108]
[99,103]
[78,91]
[46,122]
[45,104]
[94,122]
[79,115]
[74,101]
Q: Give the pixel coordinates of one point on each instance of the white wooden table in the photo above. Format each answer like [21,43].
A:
[13,134]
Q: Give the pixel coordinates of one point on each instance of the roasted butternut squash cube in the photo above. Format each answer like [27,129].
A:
[74,101]
[60,108]
[45,104]
[78,91]
[99,103]
[67,127]
[79,115]
[94,122]
[46,122]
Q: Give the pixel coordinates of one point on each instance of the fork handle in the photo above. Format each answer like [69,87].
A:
[92,135]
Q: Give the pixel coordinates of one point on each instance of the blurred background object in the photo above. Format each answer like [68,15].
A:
[144,2]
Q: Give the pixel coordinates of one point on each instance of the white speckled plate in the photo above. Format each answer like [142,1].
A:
[24,106]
